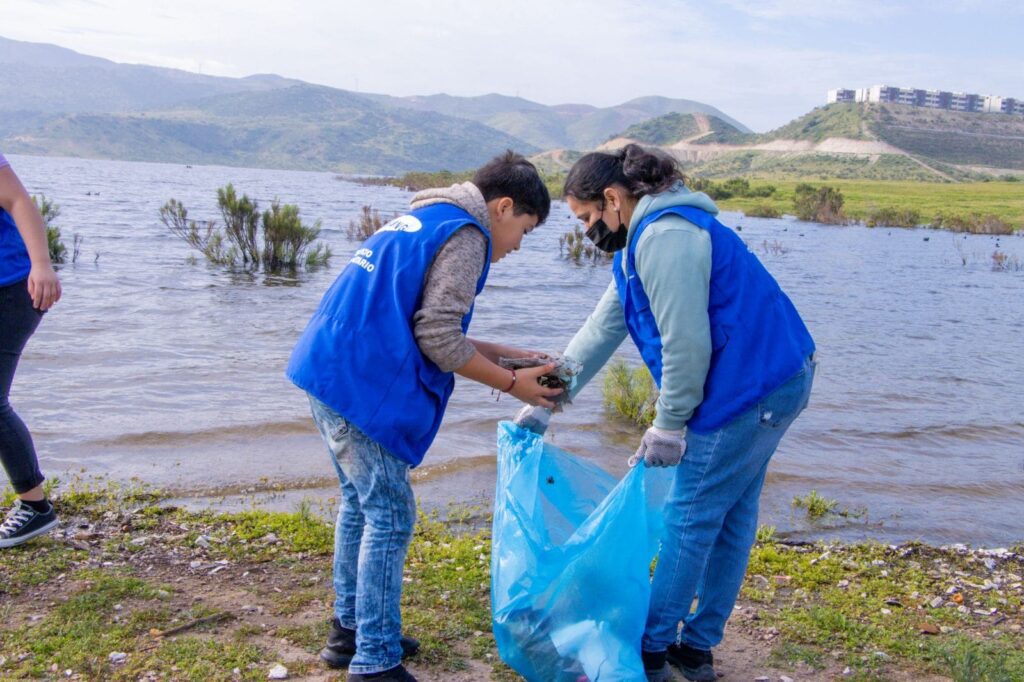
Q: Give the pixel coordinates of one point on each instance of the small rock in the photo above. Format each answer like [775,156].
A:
[760,582]
[782,579]
[139,542]
[963,609]
[117,657]
[270,539]
[762,679]
[937,602]
[886,612]
[195,564]
[278,672]
[236,671]
[847,672]
[882,656]
[203,541]
[843,583]
[928,628]
[784,678]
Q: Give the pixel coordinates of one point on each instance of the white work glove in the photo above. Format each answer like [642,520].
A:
[660,448]
[533,418]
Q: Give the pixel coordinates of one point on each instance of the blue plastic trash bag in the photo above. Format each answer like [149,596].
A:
[570,565]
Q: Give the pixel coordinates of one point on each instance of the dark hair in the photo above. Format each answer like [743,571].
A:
[510,175]
[638,170]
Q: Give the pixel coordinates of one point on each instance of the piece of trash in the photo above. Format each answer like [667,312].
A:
[563,376]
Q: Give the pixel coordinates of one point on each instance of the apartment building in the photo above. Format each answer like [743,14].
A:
[933,99]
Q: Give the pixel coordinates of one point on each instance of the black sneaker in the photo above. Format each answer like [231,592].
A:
[655,667]
[24,523]
[341,646]
[696,665]
[396,674]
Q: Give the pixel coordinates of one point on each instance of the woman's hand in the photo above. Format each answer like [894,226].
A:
[529,391]
[43,286]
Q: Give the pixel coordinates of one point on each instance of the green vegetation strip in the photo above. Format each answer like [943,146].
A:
[1004,200]
[237,594]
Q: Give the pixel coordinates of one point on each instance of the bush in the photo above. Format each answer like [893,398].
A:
[50,212]
[286,241]
[631,393]
[763,210]
[893,217]
[576,247]
[733,187]
[974,223]
[819,204]
[367,225]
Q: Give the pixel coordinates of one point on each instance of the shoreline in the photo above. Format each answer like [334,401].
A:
[238,593]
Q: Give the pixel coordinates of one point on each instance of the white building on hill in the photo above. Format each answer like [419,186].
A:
[932,99]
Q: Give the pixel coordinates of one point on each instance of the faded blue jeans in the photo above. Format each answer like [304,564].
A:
[371,537]
[711,519]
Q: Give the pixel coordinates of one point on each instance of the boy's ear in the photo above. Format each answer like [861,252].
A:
[500,206]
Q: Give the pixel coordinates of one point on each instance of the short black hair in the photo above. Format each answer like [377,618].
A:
[511,175]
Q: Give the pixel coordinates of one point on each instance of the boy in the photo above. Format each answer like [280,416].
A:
[377,360]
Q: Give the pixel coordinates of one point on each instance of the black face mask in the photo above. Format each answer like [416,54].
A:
[604,238]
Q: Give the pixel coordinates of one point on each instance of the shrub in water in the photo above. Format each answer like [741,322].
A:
[893,217]
[367,225]
[574,246]
[763,210]
[974,223]
[50,212]
[276,239]
[631,393]
[819,204]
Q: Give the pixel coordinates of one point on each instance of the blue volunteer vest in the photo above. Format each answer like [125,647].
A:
[14,262]
[358,354]
[758,340]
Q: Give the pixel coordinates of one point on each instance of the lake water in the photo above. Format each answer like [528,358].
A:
[159,367]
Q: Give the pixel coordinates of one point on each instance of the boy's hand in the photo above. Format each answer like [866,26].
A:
[529,391]
[43,287]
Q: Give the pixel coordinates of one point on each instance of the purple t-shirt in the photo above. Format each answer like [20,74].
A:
[14,262]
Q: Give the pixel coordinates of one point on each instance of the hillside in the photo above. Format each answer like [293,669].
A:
[299,127]
[562,126]
[50,79]
[676,127]
[869,141]
[57,101]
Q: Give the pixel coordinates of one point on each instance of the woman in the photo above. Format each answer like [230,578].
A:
[733,362]
[28,287]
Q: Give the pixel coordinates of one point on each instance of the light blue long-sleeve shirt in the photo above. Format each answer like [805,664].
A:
[673,261]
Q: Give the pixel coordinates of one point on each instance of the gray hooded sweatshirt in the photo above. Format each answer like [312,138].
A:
[450,284]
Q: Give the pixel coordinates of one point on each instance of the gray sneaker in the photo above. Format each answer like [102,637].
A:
[24,523]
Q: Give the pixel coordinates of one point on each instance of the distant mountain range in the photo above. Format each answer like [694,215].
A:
[57,101]
[871,141]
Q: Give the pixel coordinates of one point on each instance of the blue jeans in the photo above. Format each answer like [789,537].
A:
[18,319]
[371,537]
[711,519]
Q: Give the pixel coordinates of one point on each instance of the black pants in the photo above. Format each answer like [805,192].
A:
[18,319]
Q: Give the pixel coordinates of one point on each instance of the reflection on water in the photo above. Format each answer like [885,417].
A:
[157,366]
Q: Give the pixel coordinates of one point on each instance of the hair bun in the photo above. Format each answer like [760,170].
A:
[648,172]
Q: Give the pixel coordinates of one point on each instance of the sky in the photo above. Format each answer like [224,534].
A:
[763,63]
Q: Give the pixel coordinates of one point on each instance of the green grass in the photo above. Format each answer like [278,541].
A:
[816,505]
[862,605]
[870,598]
[630,393]
[1004,200]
